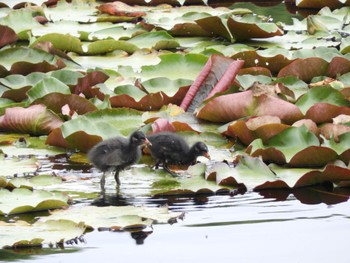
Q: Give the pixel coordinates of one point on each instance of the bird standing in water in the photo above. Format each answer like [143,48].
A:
[170,148]
[116,154]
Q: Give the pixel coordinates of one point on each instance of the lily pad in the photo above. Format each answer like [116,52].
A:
[234,106]
[22,200]
[250,26]
[8,36]
[21,234]
[116,217]
[216,76]
[175,66]
[86,130]
[295,146]
[263,127]
[34,182]
[15,165]
[305,69]
[36,120]
[24,60]
[323,99]
[249,173]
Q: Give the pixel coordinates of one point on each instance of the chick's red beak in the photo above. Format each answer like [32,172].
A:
[206,155]
[147,142]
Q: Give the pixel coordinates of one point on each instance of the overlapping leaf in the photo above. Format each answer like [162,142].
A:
[22,200]
[86,130]
[36,120]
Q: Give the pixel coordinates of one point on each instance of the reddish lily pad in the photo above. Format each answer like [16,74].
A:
[324,112]
[56,101]
[318,4]
[331,130]
[7,36]
[152,101]
[305,69]
[338,66]
[214,26]
[323,103]
[23,60]
[249,26]
[296,146]
[263,127]
[217,75]
[274,62]
[231,107]
[331,173]
[36,120]
[86,84]
[313,156]
[120,9]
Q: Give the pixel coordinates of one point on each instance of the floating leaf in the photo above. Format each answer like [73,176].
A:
[160,92]
[36,120]
[175,66]
[86,130]
[249,172]
[8,36]
[263,127]
[14,165]
[296,146]
[22,200]
[46,86]
[305,69]
[21,234]
[23,60]
[231,107]
[216,76]
[250,26]
[116,217]
[120,9]
[273,59]
[34,182]
[156,40]
[323,99]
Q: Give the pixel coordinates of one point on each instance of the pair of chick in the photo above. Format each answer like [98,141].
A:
[166,148]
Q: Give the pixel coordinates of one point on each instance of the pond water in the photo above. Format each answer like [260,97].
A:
[310,225]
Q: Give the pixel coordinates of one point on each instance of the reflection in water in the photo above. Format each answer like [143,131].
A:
[311,195]
[140,236]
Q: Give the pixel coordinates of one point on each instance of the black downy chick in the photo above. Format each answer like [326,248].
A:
[169,148]
[116,154]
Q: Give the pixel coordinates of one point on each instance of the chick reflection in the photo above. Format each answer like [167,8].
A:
[140,236]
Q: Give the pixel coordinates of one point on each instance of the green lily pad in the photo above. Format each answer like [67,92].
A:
[251,26]
[21,234]
[156,40]
[46,86]
[249,172]
[24,60]
[175,66]
[15,165]
[323,99]
[296,145]
[116,217]
[62,42]
[34,182]
[21,21]
[86,130]
[22,200]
